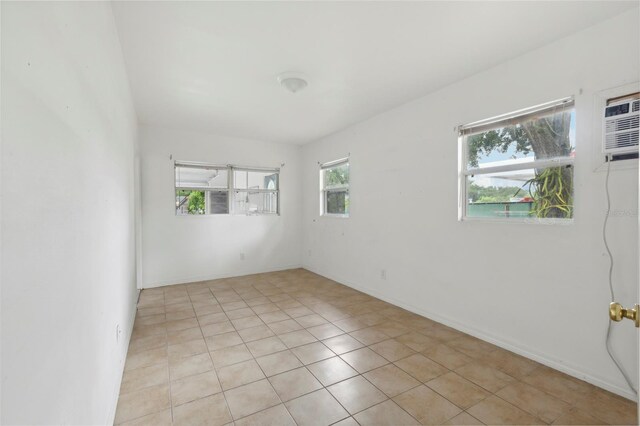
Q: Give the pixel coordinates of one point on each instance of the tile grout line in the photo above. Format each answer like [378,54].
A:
[289,349]
[350,415]
[168,358]
[389,362]
[253,359]
[213,365]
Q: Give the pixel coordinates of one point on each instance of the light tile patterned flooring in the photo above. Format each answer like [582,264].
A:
[293,347]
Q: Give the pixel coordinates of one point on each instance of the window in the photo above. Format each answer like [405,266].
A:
[334,188]
[208,189]
[519,165]
[255,191]
[201,189]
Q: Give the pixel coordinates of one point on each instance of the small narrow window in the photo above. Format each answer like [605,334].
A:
[334,188]
[519,165]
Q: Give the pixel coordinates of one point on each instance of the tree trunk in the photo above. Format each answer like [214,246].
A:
[549,138]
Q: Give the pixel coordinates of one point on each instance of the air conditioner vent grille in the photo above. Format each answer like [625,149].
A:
[635,106]
[622,140]
[632,122]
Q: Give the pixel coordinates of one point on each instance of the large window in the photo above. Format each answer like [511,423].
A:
[334,188]
[519,165]
[208,189]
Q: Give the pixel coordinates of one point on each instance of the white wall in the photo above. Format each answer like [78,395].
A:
[68,275]
[484,278]
[177,249]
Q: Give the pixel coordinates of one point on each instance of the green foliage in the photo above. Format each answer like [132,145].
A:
[196,202]
[499,140]
[492,194]
[337,176]
[553,189]
[338,202]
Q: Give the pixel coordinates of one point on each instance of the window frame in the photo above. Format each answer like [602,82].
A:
[233,190]
[230,189]
[324,191]
[495,123]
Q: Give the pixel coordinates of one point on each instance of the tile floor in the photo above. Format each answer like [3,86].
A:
[293,347]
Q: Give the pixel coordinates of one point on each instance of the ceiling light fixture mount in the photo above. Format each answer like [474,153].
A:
[292,81]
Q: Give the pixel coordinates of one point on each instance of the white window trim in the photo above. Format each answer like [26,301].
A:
[497,122]
[230,189]
[341,188]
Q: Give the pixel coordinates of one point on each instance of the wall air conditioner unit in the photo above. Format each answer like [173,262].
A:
[621,126]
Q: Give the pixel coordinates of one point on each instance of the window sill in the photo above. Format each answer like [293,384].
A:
[342,216]
[520,220]
[229,215]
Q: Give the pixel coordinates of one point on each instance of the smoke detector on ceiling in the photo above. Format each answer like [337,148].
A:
[292,81]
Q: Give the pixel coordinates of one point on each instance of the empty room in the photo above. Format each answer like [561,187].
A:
[319,213]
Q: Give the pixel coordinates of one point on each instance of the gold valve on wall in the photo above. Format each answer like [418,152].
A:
[617,313]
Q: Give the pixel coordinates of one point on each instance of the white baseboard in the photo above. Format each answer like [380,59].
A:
[483,335]
[196,278]
[111,416]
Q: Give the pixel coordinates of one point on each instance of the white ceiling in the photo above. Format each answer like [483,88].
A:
[212,66]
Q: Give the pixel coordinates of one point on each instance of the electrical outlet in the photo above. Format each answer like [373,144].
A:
[241,256]
[383,274]
[309,252]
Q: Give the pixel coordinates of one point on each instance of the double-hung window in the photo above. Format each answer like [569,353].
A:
[334,188]
[519,165]
[202,189]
